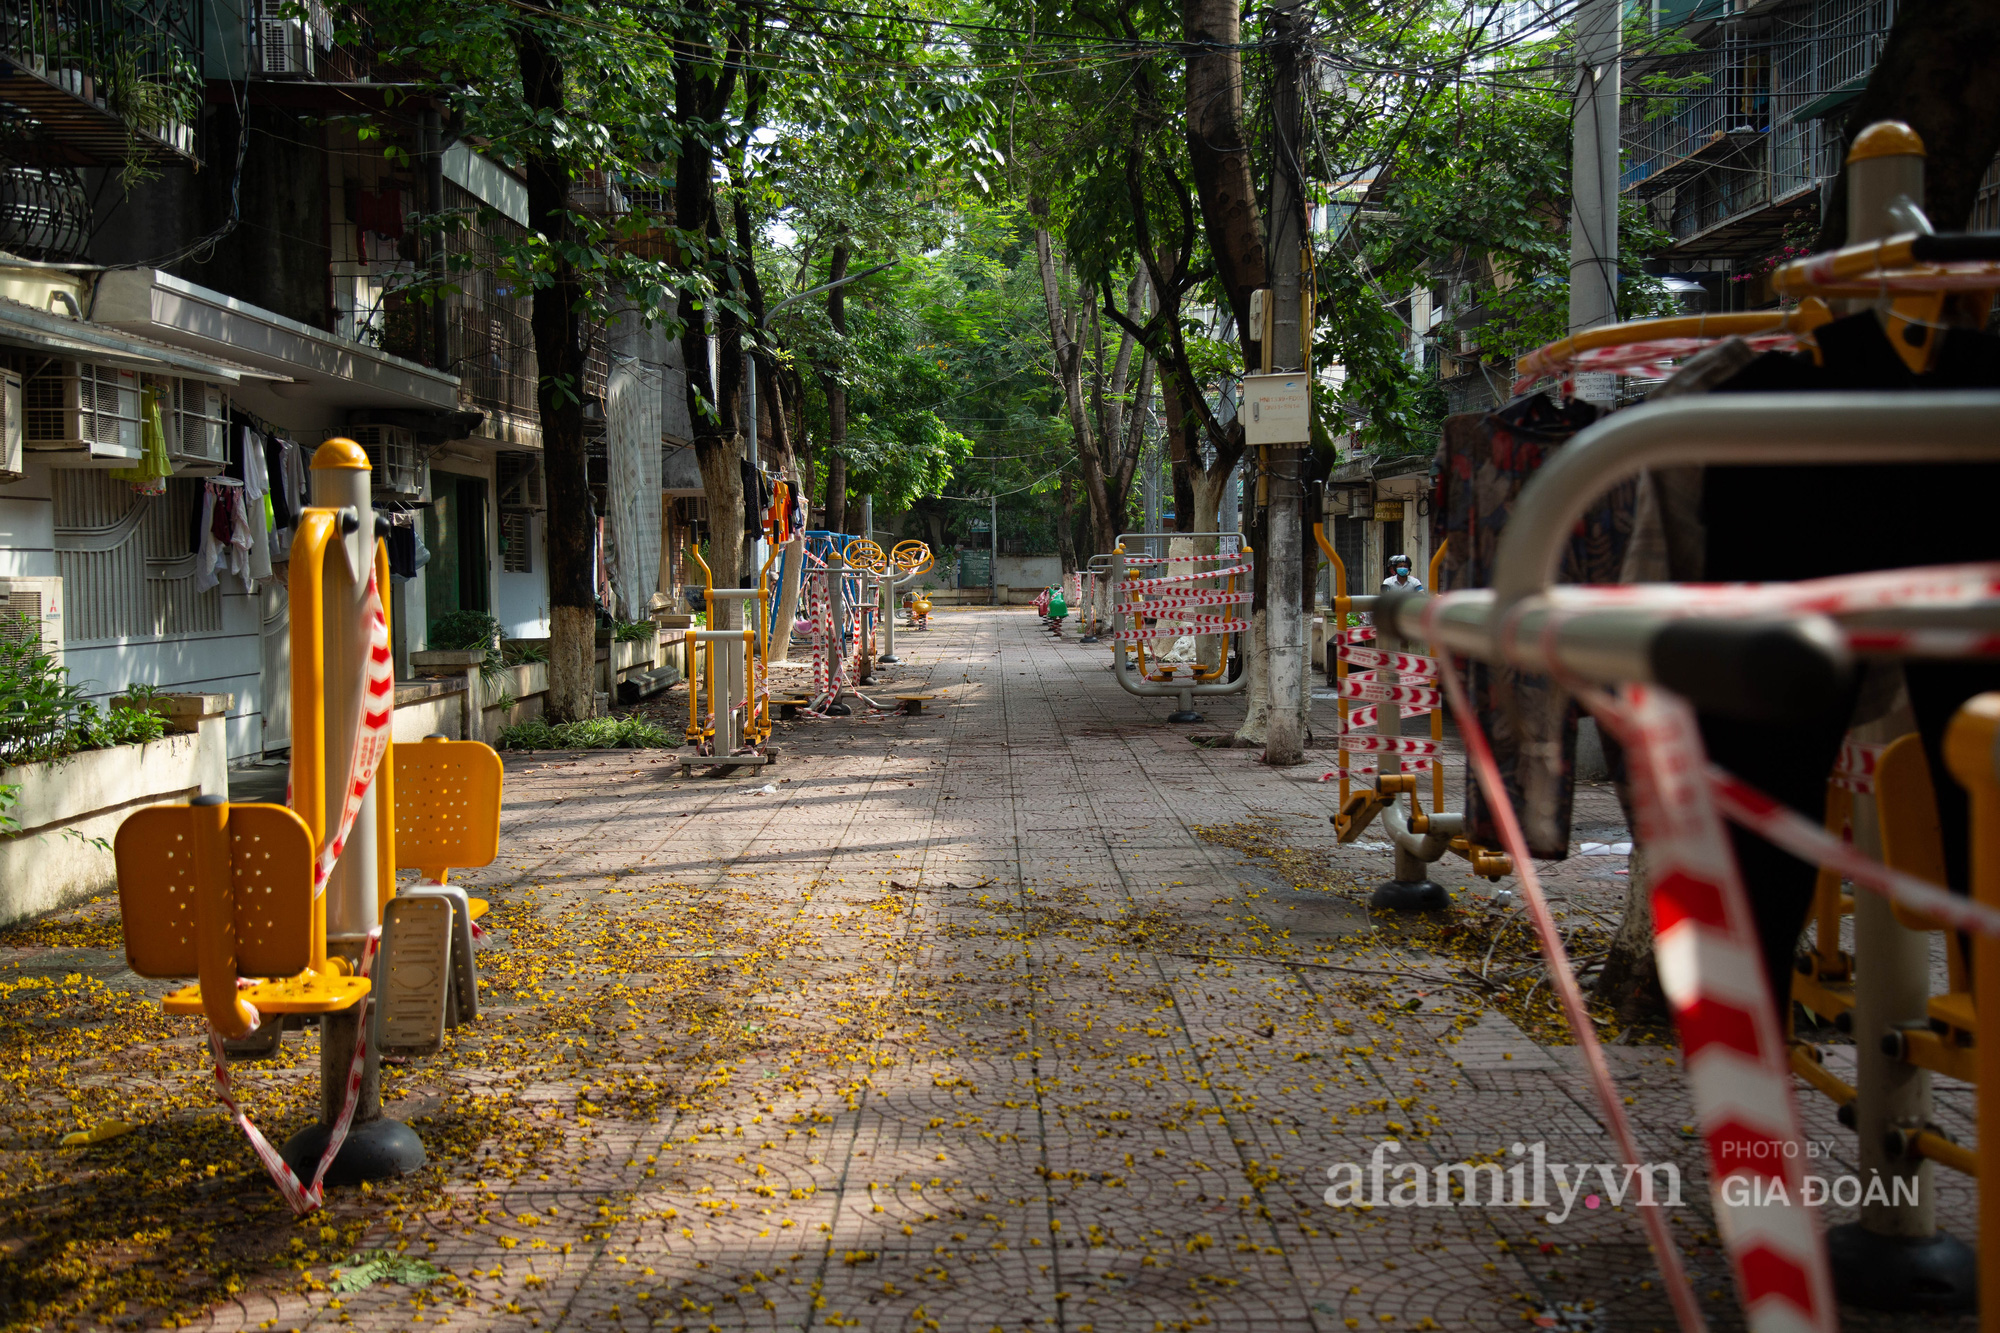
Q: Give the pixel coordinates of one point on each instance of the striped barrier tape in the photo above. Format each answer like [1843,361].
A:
[1355,634]
[1166,580]
[1712,973]
[1409,664]
[1364,716]
[1855,768]
[1924,642]
[1420,696]
[1210,625]
[1786,828]
[1936,586]
[1369,743]
[376,706]
[1484,770]
[1152,604]
[302,1199]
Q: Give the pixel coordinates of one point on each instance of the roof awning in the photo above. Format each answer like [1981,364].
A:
[324,371]
[46,331]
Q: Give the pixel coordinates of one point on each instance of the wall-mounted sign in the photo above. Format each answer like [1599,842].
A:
[1277,409]
[1388,511]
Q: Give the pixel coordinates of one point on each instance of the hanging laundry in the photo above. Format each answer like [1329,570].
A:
[407,552]
[248,460]
[149,475]
[225,539]
[283,513]
[380,212]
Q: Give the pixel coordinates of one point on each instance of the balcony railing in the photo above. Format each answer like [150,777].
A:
[1755,129]
[100,82]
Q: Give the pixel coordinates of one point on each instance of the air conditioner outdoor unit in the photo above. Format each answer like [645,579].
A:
[520,479]
[392,452]
[33,608]
[284,45]
[87,415]
[195,416]
[13,463]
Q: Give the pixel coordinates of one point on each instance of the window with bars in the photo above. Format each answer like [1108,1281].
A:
[516,533]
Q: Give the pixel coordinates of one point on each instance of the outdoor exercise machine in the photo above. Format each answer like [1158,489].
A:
[1392,686]
[905,564]
[289,913]
[734,668]
[1179,605]
[1766,652]
[1770,651]
[1095,581]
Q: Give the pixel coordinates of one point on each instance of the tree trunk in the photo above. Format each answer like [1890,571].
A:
[1069,372]
[1630,982]
[1065,525]
[836,481]
[560,353]
[836,399]
[700,96]
[1220,153]
[1934,74]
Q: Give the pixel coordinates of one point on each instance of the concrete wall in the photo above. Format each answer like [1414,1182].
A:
[1027,571]
[52,863]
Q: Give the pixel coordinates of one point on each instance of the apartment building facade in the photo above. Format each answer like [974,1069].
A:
[192,221]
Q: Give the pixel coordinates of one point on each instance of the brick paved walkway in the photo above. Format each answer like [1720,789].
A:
[965,1027]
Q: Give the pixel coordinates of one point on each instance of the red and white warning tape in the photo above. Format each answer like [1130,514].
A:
[1743,804]
[1360,716]
[376,706]
[1418,696]
[1370,743]
[1924,642]
[1855,768]
[1479,758]
[302,1199]
[1712,972]
[1153,604]
[1207,625]
[1408,664]
[1166,580]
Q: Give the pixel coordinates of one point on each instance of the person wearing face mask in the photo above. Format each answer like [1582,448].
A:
[1400,578]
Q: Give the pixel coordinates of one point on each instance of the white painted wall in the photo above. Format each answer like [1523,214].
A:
[224,663]
[521,601]
[28,524]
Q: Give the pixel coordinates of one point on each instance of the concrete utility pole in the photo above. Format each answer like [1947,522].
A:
[1593,219]
[1284,618]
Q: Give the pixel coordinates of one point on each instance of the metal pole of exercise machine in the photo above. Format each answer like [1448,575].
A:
[890,586]
[836,600]
[1893,1257]
[1413,889]
[375,1148]
[736,671]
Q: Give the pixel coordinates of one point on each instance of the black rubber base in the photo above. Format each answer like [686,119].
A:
[375,1150]
[887,659]
[838,710]
[1188,715]
[1937,1274]
[1403,895]
[1088,638]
